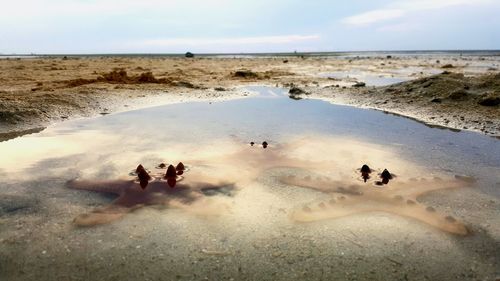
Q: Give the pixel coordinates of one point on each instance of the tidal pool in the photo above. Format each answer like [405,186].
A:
[268,214]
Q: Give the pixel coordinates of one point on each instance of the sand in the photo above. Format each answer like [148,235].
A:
[36,92]
[255,239]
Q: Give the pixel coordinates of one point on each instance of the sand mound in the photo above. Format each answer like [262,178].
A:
[119,76]
[453,88]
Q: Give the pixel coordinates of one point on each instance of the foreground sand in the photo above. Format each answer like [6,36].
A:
[36,92]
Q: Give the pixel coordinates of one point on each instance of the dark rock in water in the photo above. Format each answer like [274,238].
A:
[359,85]
[219,89]
[189,55]
[389,57]
[252,143]
[296,91]
[264,144]
[447,66]
[445,72]
[490,101]
[459,95]
[437,100]
[285,61]
[162,166]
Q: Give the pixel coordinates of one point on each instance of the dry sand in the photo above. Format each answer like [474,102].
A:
[36,92]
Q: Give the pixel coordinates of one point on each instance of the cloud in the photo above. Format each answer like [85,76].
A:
[172,42]
[373,16]
[401,9]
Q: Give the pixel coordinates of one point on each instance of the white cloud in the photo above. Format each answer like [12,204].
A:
[399,9]
[173,42]
[373,16]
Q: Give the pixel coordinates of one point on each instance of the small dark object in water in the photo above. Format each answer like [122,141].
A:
[264,144]
[285,61]
[385,176]
[252,143]
[189,55]
[359,85]
[296,91]
[447,66]
[365,172]
[171,176]
[436,100]
[389,57]
[162,166]
[143,176]
[180,168]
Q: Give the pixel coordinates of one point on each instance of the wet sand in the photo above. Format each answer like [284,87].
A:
[257,230]
[36,92]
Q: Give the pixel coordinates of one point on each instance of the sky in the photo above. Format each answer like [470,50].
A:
[246,26]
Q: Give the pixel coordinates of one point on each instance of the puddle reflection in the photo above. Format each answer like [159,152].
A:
[212,140]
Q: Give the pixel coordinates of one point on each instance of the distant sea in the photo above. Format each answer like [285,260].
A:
[291,54]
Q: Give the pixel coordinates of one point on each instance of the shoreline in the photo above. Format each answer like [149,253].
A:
[38,92]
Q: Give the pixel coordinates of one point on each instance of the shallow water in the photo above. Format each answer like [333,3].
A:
[381,78]
[369,78]
[248,232]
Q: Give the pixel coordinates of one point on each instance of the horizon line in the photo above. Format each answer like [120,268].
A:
[253,53]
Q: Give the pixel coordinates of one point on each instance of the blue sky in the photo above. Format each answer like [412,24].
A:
[208,26]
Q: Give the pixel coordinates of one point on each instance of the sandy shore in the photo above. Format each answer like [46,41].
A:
[36,92]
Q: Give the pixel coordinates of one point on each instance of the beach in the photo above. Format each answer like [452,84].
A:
[273,185]
[39,91]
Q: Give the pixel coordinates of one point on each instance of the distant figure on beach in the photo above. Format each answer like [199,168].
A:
[264,144]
